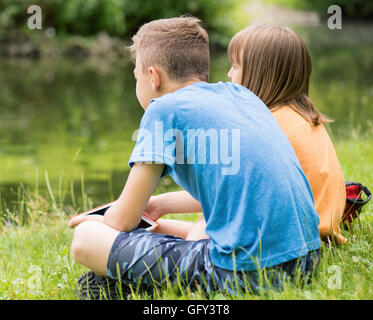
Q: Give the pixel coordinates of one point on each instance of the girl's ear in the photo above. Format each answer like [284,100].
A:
[155,78]
[230,73]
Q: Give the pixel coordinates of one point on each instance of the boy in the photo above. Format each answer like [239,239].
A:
[253,193]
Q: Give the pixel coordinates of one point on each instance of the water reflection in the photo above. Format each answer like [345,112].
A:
[74,118]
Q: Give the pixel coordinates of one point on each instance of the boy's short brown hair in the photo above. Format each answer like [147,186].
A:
[179,45]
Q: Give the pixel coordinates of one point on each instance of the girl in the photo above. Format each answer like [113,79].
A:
[274,63]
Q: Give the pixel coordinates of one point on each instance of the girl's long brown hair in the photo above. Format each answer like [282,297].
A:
[276,66]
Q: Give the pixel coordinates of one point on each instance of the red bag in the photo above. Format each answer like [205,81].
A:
[354,201]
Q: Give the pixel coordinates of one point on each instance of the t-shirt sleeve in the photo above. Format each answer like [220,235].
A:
[153,144]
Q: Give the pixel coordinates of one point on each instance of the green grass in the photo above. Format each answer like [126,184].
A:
[36,261]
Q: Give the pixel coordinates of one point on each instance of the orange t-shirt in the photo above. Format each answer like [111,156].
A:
[319,161]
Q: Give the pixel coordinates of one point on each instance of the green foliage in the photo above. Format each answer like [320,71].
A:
[90,16]
[116,17]
[350,8]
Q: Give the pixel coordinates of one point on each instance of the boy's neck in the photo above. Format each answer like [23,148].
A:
[173,86]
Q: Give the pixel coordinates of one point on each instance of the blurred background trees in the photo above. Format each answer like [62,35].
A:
[119,18]
[68,105]
[353,9]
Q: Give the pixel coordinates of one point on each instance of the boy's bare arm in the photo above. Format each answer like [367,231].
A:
[172,202]
[125,213]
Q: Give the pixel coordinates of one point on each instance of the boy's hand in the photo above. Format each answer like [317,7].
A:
[171,202]
[153,208]
[79,219]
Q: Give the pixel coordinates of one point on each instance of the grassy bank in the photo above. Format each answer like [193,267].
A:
[36,261]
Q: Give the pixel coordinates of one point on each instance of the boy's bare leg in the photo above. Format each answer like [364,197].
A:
[198,230]
[183,229]
[178,228]
[180,202]
[91,245]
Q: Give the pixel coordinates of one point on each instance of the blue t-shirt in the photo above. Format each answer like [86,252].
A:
[221,144]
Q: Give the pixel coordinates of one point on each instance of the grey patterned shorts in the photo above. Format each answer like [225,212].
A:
[146,259]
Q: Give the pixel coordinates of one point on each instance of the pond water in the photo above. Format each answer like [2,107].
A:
[71,122]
